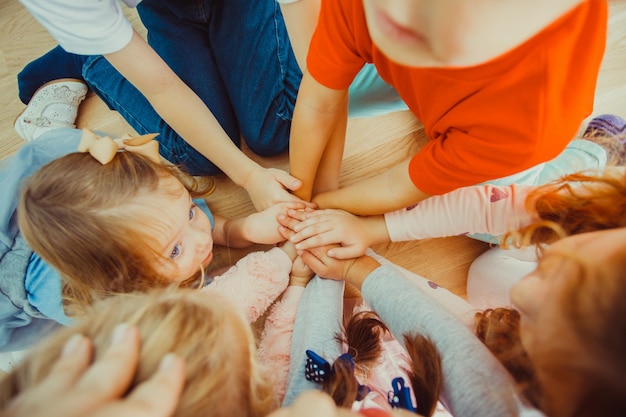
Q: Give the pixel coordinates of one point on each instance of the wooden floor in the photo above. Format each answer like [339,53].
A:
[372,144]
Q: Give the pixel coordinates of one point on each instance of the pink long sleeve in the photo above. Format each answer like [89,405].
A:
[478,209]
[255,281]
[275,345]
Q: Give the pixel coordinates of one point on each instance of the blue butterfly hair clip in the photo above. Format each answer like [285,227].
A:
[400,396]
[318,370]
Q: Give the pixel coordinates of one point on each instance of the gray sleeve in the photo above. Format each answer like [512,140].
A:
[318,321]
[474,382]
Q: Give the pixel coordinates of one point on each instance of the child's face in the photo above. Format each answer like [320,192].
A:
[455,33]
[188,238]
[536,296]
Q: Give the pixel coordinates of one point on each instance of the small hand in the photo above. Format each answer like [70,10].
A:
[76,387]
[269,186]
[309,229]
[325,266]
[263,226]
[301,274]
[290,219]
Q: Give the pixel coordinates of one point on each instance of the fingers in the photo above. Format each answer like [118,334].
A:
[74,360]
[345,252]
[289,182]
[156,397]
[72,363]
[314,263]
[299,215]
[110,376]
[285,232]
[323,265]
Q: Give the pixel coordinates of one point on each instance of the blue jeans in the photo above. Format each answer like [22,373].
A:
[236,56]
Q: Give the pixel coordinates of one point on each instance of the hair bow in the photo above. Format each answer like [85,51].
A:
[103,148]
[317,369]
[400,397]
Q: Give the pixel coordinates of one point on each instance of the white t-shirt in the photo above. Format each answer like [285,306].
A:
[86,27]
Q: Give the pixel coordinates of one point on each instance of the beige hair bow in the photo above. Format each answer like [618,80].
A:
[103,148]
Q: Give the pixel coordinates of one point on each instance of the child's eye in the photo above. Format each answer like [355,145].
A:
[192,212]
[175,252]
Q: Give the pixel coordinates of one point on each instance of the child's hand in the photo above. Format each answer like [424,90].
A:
[301,274]
[354,270]
[349,234]
[325,266]
[262,227]
[290,219]
[269,186]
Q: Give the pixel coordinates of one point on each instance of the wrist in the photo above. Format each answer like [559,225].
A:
[245,174]
[377,229]
[298,280]
[290,250]
[357,271]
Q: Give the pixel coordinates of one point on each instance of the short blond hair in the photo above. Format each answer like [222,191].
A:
[223,377]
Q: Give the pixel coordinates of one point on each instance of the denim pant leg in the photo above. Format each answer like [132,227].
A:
[53,65]
[237,58]
[259,69]
[120,95]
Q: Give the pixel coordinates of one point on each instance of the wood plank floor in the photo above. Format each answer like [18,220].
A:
[372,145]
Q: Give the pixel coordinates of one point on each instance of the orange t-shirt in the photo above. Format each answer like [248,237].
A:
[486,121]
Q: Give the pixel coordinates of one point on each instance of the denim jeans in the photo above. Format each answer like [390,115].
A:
[235,55]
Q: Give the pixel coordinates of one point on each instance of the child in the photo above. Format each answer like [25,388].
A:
[369,94]
[500,88]
[199,102]
[56,395]
[223,372]
[572,327]
[98,224]
[577,203]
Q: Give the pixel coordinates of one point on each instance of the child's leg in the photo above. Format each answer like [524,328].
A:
[238,60]
[120,95]
[258,68]
[54,65]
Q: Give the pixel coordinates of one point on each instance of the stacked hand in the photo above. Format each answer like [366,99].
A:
[350,235]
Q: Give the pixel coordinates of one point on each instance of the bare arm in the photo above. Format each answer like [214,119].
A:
[260,227]
[391,190]
[301,18]
[183,110]
[317,136]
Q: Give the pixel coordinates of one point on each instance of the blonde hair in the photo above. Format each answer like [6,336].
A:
[223,377]
[85,220]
